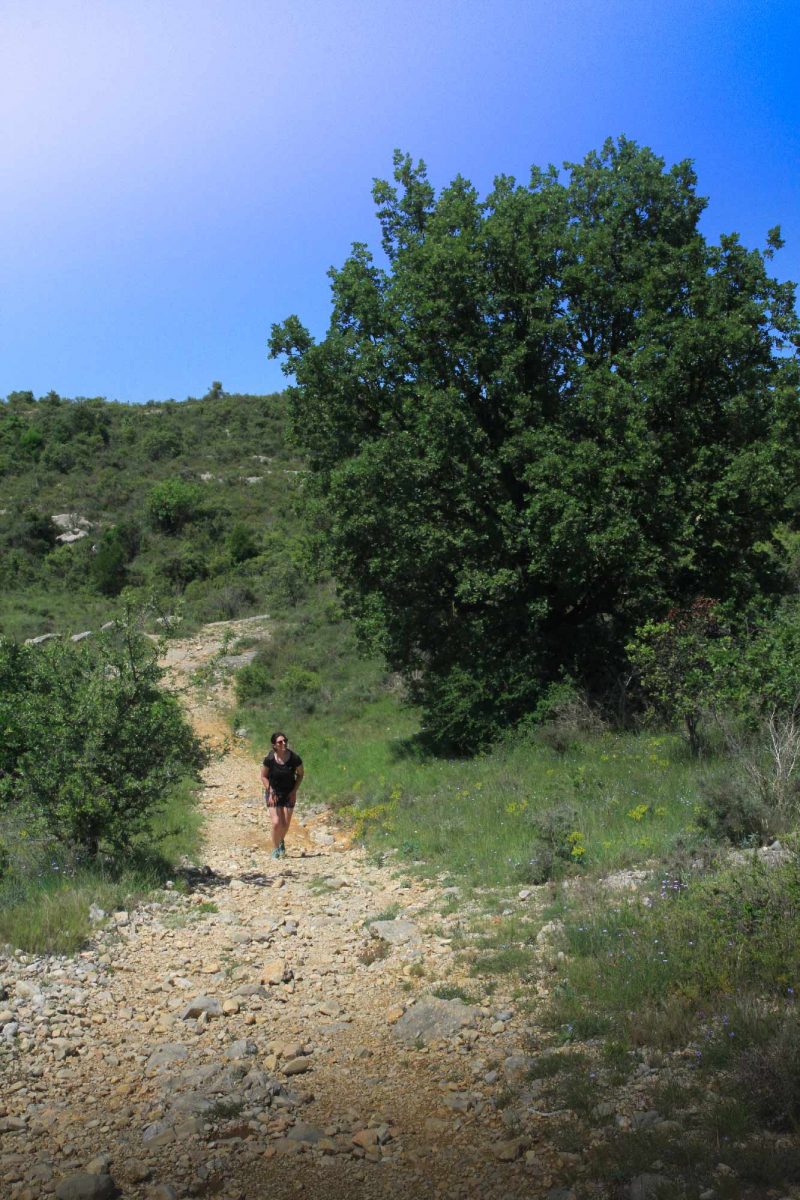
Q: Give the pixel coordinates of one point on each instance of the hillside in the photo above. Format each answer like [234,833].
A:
[186,503]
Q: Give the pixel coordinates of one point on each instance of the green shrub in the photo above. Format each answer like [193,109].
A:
[31,442]
[186,564]
[759,672]
[241,543]
[31,531]
[675,662]
[300,689]
[229,601]
[768,1075]
[255,681]
[173,504]
[91,745]
[555,828]
[107,567]
[732,810]
[161,445]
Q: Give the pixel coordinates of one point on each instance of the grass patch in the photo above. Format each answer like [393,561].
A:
[46,897]
[453,991]
[390,913]
[374,951]
[225,1110]
[699,949]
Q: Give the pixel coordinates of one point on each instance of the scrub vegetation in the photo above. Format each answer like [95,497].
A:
[189,505]
[97,765]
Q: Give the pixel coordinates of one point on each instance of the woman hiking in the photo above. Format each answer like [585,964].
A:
[281,773]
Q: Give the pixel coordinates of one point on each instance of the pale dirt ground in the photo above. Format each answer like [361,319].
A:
[79,1081]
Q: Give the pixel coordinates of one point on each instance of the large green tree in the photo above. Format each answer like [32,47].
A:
[542,418]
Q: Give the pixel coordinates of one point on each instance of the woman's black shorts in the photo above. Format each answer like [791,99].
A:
[274,799]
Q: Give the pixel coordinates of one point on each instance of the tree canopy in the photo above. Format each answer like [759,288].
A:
[539,419]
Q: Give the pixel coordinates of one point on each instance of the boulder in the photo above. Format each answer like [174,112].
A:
[396,933]
[432,1019]
[85,1186]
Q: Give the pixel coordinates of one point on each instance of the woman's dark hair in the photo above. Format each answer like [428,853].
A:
[277,734]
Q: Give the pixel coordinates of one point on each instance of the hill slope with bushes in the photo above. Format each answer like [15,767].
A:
[189,503]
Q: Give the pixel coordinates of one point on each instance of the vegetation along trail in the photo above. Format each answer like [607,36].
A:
[261,1032]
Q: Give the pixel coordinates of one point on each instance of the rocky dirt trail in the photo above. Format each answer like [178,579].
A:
[266,1033]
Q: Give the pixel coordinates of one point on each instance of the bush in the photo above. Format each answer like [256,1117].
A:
[116,548]
[255,681]
[186,564]
[769,1076]
[732,810]
[173,504]
[232,600]
[91,745]
[241,543]
[675,662]
[566,716]
[300,689]
[31,531]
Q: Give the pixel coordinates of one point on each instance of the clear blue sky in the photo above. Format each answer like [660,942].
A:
[178,174]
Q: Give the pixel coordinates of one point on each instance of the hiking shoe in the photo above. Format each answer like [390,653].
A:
[278,852]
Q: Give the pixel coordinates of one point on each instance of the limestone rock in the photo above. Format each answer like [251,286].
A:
[310,1134]
[396,933]
[297,1066]
[274,972]
[433,1019]
[202,1004]
[84,1186]
[511,1150]
[646,1186]
[165,1056]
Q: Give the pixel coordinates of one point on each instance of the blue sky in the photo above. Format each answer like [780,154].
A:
[178,174]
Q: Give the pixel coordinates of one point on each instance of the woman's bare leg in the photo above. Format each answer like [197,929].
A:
[278,830]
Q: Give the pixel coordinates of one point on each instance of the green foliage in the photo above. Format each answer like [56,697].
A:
[732,810]
[173,504]
[759,671]
[47,891]
[90,743]
[108,565]
[675,662]
[31,531]
[254,682]
[557,411]
[241,543]
[31,442]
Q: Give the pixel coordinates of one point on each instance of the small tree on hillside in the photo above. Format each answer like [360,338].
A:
[675,662]
[173,504]
[90,743]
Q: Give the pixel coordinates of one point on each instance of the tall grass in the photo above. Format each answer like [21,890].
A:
[692,947]
[516,813]
[46,892]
